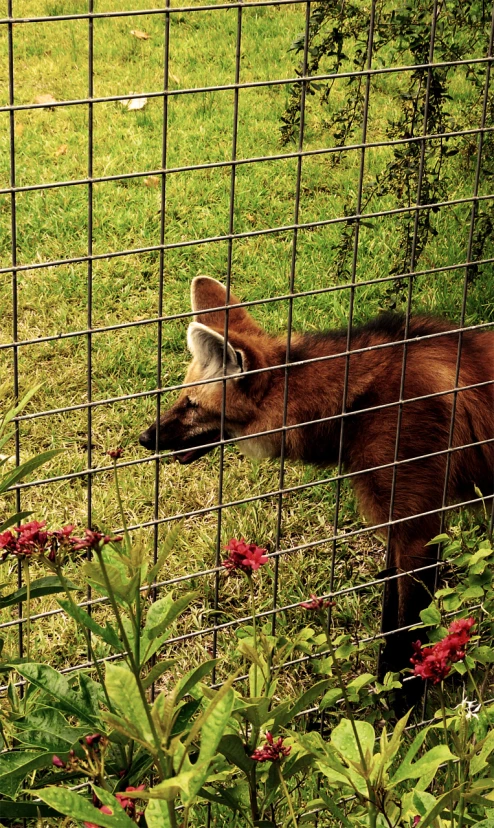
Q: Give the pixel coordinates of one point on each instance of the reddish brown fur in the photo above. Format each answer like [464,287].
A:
[254,403]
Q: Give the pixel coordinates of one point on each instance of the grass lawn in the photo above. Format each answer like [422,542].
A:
[51,145]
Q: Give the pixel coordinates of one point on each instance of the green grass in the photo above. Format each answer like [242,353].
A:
[52,145]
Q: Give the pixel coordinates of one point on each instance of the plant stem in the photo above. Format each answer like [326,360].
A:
[120,508]
[161,761]
[254,625]
[446,739]
[27,579]
[287,795]
[339,676]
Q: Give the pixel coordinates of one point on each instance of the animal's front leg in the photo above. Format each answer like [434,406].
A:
[407,595]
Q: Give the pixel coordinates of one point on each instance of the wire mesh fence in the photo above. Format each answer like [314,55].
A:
[114,199]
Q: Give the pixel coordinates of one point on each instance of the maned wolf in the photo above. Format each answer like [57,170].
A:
[254,404]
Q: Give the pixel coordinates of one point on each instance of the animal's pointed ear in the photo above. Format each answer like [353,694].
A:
[206,293]
[207,347]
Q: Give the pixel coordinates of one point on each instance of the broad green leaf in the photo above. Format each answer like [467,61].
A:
[233,749]
[26,468]
[49,585]
[70,804]
[479,761]
[157,670]
[431,616]
[163,612]
[256,713]
[483,654]
[193,677]
[472,592]
[166,548]
[46,729]
[343,739]
[214,721]
[107,633]
[15,765]
[54,683]
[361,681]
[330,698]
[123,726]
[426,765]
[184,715]
[436,809]
[122,586]
[158,814]
[212,727]
[124,693]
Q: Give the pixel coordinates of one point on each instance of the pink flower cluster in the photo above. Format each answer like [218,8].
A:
[434,663]
[272,751]
[127,803]
[33,539]
[244,556]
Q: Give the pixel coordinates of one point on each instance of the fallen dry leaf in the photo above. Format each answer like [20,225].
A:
[134,103]
[18,130]
[45,99]
[152,181]
[62,150]
[139,34]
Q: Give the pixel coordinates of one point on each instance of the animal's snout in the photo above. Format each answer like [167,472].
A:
[148,438]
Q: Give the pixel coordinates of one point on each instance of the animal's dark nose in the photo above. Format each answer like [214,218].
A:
[148,439]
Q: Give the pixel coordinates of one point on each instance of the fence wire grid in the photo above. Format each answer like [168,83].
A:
[108,368]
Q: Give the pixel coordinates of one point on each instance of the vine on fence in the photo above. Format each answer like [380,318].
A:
[419,172]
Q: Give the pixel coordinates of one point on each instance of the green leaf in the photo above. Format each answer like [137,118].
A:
[163,612]
[124,693]
[425,766]
[330,698]
[70,804]
[212,725]
[52,682]
[158,814]
[343,739]
[483,654]
[26,468]
[193,677]
[184,715]
[233,749]
[13,519]
[46,729]
[431,616]
[49,585]
[15,765]
[107,633]
[157,670]
[167,547]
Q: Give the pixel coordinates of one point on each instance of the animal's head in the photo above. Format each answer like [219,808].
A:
[192,426]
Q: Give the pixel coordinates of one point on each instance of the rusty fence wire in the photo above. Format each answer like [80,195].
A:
[163,313]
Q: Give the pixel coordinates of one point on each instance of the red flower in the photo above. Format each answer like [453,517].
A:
[435,662]
[58,762]
[33,539]
[93,540]
[272,751]
[244,556]
[115,453]
[92,740]
[317,603]
[128,804]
